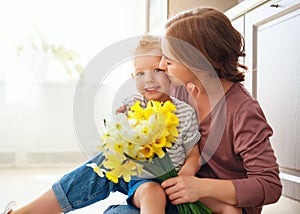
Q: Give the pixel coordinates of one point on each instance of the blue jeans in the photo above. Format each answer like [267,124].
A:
[117,209]
[83,187]
[128,209]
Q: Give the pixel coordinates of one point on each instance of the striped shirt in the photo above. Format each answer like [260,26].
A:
[188,129]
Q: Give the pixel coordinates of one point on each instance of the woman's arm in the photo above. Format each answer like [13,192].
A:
[252,144]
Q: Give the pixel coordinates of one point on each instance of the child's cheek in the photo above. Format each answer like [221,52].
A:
[139,85]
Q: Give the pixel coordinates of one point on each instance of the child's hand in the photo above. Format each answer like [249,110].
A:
[122,109]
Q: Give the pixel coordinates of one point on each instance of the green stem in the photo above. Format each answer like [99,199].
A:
[163,169]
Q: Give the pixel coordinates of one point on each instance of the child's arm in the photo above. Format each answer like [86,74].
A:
[122,109]
[192,163]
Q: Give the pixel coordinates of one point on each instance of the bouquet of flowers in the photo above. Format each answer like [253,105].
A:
[138,141]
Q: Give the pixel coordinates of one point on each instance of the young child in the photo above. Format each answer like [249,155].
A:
[153,84]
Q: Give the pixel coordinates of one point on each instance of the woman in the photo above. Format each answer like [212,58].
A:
[241,169]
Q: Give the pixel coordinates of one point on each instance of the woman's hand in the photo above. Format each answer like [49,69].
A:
[183,189]
[186,188]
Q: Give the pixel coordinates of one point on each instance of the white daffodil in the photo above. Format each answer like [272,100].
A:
[96,169]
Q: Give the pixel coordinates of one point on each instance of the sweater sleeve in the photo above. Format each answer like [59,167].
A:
[251,136]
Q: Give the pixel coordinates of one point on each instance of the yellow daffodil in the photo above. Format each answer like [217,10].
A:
[156,106]
[129,169]
[136,112]
[173,133]
[158,151]
[157,121]
[113,175]
[147,151]
[125,170]
[171,119]
[161,142]
[168,107]
[112,161]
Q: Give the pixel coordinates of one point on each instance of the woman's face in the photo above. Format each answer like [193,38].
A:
[179,74]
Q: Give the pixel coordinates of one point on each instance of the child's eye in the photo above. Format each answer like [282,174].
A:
[157,70]
[138,74]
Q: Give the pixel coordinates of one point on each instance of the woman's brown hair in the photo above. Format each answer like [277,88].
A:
[211,32]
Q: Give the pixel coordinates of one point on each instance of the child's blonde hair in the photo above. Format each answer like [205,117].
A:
[148,43]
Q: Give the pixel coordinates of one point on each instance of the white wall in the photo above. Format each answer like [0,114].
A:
[36,93]
[176,6]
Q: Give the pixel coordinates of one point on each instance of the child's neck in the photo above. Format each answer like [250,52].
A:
[164,99]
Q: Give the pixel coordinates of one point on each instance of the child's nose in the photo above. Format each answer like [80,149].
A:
[149,77]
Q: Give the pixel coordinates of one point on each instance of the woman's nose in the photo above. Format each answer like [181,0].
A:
[162,64]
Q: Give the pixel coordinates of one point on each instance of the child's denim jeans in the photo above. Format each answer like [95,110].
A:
[83,187]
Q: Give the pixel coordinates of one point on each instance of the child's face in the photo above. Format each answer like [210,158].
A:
[151,82]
